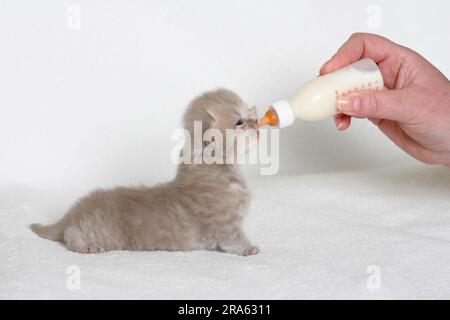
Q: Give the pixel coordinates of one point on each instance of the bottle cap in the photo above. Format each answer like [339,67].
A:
[284,112]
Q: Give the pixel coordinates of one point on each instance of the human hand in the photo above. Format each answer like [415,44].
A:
[413,110]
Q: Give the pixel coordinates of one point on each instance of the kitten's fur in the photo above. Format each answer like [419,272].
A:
[202,208]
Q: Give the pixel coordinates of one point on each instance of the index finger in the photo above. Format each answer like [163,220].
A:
[359,46]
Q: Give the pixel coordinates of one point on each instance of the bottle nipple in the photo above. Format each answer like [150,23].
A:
[270,118]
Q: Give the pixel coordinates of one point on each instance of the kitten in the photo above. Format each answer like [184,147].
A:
[201,209]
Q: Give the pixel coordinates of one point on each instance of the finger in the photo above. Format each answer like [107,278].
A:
[375,121]
[342,121]
[386,104]
[358,46]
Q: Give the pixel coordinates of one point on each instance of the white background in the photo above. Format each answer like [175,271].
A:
[96,106]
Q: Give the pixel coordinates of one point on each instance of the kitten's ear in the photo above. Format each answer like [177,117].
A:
[209,121]
[253,113]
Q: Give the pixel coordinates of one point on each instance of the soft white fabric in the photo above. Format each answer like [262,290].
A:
[318,236]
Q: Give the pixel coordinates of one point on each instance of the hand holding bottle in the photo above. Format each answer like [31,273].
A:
[413,110]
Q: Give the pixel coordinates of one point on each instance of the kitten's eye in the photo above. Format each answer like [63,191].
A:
[240,122]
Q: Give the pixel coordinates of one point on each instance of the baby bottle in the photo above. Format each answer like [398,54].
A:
[317,99]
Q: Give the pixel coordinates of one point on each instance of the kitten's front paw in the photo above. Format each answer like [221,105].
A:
[250,251]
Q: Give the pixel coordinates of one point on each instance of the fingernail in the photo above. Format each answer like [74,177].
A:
[349,104]
[340,125]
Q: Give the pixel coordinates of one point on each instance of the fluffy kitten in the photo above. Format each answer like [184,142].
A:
[202,208]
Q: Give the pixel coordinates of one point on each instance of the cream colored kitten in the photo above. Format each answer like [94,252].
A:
[201,209]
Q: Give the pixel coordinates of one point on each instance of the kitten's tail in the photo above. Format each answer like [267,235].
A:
[53,232]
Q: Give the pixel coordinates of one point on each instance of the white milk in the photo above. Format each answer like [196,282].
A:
[317,99]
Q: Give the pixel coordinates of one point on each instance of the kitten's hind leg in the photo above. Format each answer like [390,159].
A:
[236,242]
[75,240]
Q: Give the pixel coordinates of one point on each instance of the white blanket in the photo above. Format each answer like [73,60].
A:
[364,235]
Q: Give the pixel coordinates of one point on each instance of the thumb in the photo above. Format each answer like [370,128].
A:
[386,104]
